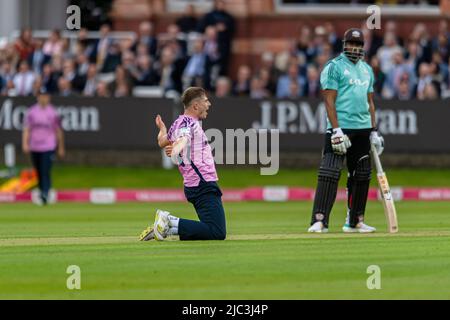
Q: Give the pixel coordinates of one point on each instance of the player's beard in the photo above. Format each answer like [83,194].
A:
[354,54]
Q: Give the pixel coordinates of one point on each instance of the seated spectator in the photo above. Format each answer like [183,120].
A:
[146,76]
[312,85]
[425,79]
[102,90]
[7,75]
[287,83]
[37,58]
[380,77]
[54,45]
[24,80]
[146,38]
[168,72]
[112,59]
[48,80]
[65,88]
[294,91]
[404,89]
[122,78]
[70,74]
[257,89]
[194,72]
[386,52]
[24,44]
[188,22]
[223,87]
[82,62]
[102,46]
[268,73]
[91,83]
[241,86]
[399,68]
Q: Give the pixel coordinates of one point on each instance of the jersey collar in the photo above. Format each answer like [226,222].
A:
[348,60]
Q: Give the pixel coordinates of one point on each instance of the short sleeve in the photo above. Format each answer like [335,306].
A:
[27,119]
[57,121]
[372,81]
[329,78]
[178,132]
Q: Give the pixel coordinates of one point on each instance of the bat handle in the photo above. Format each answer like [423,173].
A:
[376,159]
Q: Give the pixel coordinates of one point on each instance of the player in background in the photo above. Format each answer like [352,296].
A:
[188,146]
[347,83]
[43,136]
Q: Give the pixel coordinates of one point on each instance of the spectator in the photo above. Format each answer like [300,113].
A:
[65,88]
[421,36]
[225,25]
[101,47]
[294,91]
[268,73]
[305,45]
[386,52]
[242,85]
[188,22]
[146,38]
[24,80]
[24,44]
[112,60]
[194,73]
[54,45]
[333,38]
[425,79]
[404,88]
[102,90]
[212,58]
[82,62]
[7,75]
[91,82]
[146,76]
[48,80]
[312,89]
[37,58]
[70,74]
[379,76]
[168,72]
[223,87]
[257,89]
[285,87]
[372,42]
[399,68]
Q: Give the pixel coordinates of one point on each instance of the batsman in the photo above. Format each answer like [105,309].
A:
[347,85]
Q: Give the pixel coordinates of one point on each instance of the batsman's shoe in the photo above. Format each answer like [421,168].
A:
[360,228]
[318,228]
[147,235]
[161,226]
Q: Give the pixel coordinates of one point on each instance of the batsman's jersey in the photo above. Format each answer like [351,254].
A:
[198,161]
[352,82]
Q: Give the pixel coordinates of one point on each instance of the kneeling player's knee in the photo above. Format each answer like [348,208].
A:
[219,235]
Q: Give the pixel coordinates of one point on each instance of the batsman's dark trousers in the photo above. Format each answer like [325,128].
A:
[42,162]
[359,168]
[207,201]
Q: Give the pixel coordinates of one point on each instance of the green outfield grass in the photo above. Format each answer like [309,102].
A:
[66,177]
[268,255]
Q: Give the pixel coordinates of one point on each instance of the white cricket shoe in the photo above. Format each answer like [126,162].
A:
[360,228]
[161,226]
[318,228]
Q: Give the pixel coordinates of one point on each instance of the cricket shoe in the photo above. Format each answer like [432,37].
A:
[360,228]
[318,227]
[161,226]
[148,234]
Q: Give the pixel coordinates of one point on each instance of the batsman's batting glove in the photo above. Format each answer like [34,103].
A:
[378,141]
[340,142]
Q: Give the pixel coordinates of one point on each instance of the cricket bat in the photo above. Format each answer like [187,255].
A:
[386,195]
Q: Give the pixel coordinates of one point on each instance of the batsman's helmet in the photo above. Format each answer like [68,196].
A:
[353,36]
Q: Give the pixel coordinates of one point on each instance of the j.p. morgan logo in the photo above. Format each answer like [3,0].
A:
[85,118]
[302,118]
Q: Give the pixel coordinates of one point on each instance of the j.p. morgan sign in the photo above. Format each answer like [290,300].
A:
[411,126]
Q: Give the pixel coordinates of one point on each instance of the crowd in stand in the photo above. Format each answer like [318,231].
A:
[197,51]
